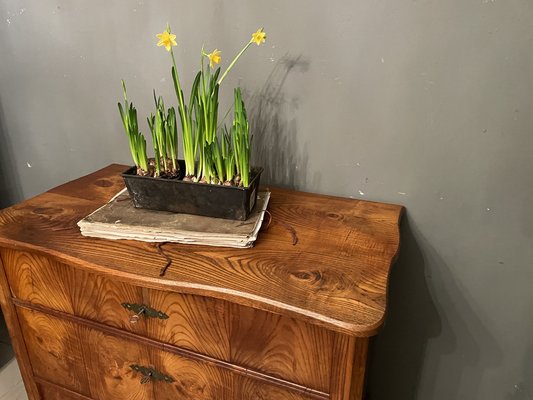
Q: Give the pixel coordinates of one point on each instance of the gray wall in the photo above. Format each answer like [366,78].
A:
[426,103]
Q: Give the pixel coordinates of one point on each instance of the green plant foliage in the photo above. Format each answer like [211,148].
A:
[240,132]
[211,154]
[137,142]
[164,137]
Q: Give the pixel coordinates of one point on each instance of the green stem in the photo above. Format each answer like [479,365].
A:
[180,94]
[185,121]
[233,62]
[225,116]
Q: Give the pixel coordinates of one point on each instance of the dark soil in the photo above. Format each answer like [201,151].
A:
[170,172]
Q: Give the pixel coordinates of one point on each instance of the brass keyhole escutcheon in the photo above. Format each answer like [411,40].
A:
[149,374]
[143,309]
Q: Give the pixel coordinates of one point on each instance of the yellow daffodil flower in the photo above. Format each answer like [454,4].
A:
[214,58]
[258,37]
[166,39]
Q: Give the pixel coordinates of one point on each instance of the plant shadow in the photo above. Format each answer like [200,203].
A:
[10,191]
[274,140]
[425,336]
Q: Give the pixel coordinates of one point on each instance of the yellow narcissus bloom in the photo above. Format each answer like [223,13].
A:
[214,58]
[259,37]
[166,39]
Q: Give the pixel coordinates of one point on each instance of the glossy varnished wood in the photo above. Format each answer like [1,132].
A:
[55,352]
[196,323]
[184,353]
[336,275]
[16,335]
[96,363]
[278,321]
[282,347]
[358,369]
[278,346]
[50,391]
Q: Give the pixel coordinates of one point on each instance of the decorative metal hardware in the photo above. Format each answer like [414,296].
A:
[149,374]
[142,309]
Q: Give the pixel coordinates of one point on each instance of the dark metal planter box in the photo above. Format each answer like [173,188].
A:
[175,195]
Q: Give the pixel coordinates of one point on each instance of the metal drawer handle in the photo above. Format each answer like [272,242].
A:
[142,309]
[149,374]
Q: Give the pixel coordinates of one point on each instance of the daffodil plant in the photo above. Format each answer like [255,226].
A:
[165,139]
[240,132]
[212,154]
[128,114]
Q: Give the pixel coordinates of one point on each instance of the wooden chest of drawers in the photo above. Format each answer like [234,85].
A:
[92,318]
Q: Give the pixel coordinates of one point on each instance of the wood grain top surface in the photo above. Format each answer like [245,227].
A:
[335,276]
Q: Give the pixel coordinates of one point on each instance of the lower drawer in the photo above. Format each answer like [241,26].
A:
[91,363]
[49,391]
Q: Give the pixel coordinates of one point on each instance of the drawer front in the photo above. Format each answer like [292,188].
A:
[55,351]
[101,366]
[281,347]
[268,343]
[194,322]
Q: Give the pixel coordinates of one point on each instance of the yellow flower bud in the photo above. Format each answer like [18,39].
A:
[214,58]
[259,37]
[166,39]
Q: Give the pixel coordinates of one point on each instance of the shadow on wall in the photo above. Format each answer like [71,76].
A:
[415,318]
[524,390]
[6,351]
[274,133]
[10,191]
[397,353]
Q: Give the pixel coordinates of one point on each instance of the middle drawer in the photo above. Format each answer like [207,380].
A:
[278,346]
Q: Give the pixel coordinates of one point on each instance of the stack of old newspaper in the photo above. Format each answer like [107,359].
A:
[119,219]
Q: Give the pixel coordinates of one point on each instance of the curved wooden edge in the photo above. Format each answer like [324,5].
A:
[398,227]
[376,327]
[320,318]
[234,296]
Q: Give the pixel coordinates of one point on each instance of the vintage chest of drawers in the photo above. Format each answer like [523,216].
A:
[92,318]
